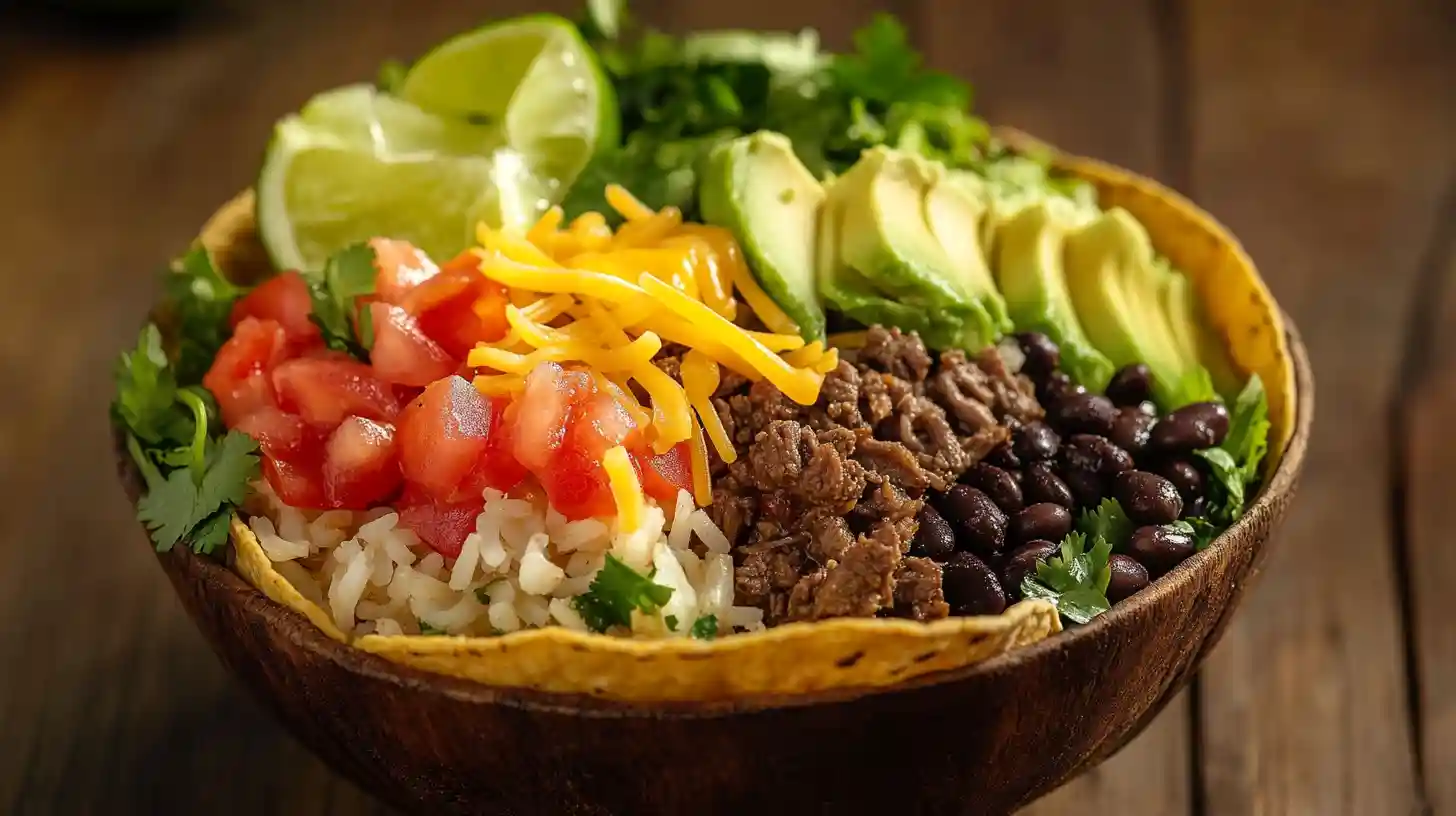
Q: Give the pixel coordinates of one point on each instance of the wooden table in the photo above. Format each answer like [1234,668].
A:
[1323,133]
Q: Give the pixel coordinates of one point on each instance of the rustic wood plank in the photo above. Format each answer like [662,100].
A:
[1035,68]
[1429,493]
[1314,139]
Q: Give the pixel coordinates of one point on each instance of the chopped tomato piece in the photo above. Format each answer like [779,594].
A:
[448,448]
[601,423]
[539,416]
[460,307]
[664,474]
[278,434]
[325,391]
[400,268]
[298,481]
[443,526]
[283,299]
[576,485]
[240,374]
[402,354]
[361,467]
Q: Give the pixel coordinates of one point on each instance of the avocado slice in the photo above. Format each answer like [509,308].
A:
[758,189]
[954,218]
[1121,293]
[1195,340]
[1030,273]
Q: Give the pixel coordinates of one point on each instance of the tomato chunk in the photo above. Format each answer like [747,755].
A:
[402,354]
[324,391]
[442,526]
[278,434]
[664,474]
[298,481]
[576,484]
[283,299]
[539,416]
[399,267]
[240,374]
[361,467]
[460,307]
[448,447]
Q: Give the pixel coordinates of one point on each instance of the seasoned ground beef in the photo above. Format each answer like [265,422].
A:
[821,504]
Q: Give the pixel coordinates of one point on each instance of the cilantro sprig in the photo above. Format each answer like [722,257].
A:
[334,290]
[1236,464]
[1108,522]
[616,590]
[1075,581]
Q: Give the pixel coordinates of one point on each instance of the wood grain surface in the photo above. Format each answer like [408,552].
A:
[1323,133]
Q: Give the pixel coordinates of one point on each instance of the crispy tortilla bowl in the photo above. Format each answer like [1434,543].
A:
[975,714]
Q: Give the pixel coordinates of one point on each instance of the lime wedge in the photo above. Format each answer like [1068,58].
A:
[355,164]
[534,79]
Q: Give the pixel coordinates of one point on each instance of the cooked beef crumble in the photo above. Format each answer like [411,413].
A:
[822,503]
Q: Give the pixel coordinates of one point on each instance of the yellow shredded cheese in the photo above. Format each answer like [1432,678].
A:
[589,297]
[799,385]
[626,488]
[849,340]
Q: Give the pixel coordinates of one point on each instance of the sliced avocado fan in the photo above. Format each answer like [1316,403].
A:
[1122,295]
[1029,270]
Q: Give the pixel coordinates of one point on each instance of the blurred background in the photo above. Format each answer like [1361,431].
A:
[1323,132]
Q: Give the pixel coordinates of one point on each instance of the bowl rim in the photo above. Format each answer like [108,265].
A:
[222,580]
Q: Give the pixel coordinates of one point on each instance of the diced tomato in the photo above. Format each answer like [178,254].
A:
[279,435]
[240,374]
[361,467]
[299,482]
[325,391]
[576,485]
[600,423]
[283,299]
[460,307]
[539,416]
[443,526]
[402,354]
[664,474]
[400,268]
[447,444]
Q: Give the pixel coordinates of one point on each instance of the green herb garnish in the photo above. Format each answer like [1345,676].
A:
[195,502]
[671,621]
[1107,522]
[198,301]
[428,629]
[704,628]
[349,274]
[616,590]
[1075,581]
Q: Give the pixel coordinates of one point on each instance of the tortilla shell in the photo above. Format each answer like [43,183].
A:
[827,655]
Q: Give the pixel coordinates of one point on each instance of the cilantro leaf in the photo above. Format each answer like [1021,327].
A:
[169,510]
[616,590]
[146,392]
[198,301]
[212,534]
[231,465]
[704,628]
[194,502]
[1075,580]
[347,275]
[1108,522]
[1202,530]
[1248,437]
[671,621]
[428,629]
[1227,489]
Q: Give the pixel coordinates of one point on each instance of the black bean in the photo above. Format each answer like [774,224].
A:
[1130,430]
[1128,578]
[1184,474]
[1045,521]
[1148,408]
[1196,508]
[1200,425]
[1021,563]
[1036,442]
[1088,489]
[1096,453]
[934,538]
[1084,413]
[971,588]
[1160,548]
[997,484]
[1147,498]
[1042,484]
[1057,387]
[1003,457]
[979,524]
[1131,385]
[1042,355]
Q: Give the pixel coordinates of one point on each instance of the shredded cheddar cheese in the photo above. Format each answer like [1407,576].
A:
[589,297]
[626,488]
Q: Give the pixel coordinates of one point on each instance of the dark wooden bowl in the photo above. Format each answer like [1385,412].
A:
[984,739]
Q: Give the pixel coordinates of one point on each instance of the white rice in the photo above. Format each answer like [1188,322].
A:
[521,567]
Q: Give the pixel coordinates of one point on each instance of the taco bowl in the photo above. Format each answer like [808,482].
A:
[970,734]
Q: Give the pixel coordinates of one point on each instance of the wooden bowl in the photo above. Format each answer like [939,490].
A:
[984,739]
